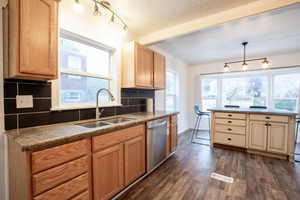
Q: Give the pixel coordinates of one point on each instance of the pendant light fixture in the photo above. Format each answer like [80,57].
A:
[78,7]
[265,62]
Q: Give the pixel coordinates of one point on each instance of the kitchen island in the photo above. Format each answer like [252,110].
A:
[267,132]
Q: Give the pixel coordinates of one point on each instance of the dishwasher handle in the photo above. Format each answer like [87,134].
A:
[152,126]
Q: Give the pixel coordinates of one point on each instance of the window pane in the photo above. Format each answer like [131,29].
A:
[81,89]
[209,88]
[286,91]
[170,103]
[171,83]
[79,57]
[245,91]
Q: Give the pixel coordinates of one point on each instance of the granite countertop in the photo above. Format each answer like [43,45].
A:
[255,110]
[42,137]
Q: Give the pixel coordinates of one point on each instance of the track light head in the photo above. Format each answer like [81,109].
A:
[265,64]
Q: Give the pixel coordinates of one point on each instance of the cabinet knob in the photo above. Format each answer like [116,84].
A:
[268,117]
[229,139]
[270,124]
[229,122]
[266,124]
[229,115]
[229,129]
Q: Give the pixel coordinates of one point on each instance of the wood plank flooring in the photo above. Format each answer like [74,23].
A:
[186,176]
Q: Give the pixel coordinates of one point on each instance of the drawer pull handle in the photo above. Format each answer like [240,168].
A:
[268,118]
[266,124]
[229,139]
[229,129]
[229,122]
[229,115]
[270,125]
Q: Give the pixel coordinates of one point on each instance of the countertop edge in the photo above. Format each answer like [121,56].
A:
[254,112]
[82,135]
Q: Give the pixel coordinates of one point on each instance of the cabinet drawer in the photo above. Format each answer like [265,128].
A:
[83,196]
[234,122]
[66,190]
[273,118]
[231,129]
[230,139]
[58,175]
[51,157]
[230,115]
[116,137]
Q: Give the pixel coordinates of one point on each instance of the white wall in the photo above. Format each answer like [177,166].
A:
[181,69]
[3,143]
[282,60]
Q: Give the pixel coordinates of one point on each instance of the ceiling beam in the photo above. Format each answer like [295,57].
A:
[233,14]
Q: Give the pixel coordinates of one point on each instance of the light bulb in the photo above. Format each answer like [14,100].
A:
[77,7]
[245,66]
[226,68]
[265,64]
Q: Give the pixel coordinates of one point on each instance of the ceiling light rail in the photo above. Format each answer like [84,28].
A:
[97,12]
[265,62]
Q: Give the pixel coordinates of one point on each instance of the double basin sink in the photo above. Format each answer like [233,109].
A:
[96,124]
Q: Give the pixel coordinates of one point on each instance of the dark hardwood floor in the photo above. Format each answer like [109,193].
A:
[186,176]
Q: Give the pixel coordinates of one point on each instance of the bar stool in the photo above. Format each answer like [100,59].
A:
[297,131]
[200,114]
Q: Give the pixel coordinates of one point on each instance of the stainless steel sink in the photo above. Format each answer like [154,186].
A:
[120,120]
[95,124]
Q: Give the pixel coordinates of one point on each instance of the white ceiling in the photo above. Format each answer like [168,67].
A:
[146,16]
[269,33]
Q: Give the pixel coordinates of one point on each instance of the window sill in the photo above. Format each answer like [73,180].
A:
[76,107]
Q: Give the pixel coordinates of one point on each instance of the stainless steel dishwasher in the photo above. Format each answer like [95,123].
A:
[157,132]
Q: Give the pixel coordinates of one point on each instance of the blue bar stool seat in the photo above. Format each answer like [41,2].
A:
[199,115]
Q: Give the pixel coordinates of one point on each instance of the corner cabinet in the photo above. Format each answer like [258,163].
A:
[142,67]
[32,39]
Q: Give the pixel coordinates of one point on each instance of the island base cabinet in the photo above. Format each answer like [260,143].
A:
[108,172]
[134,159]
[277,137]
[258,135]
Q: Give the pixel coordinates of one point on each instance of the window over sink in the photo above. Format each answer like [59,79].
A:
[85,67]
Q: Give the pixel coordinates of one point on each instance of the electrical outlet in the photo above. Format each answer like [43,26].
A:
[24,101]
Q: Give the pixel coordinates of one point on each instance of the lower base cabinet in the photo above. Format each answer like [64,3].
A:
[118,159]
[134,159]
[173,133]
[108,172]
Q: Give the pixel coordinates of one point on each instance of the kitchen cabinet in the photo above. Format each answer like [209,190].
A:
[31,39]
[173,133]
[258,135]
[134,159]
[264,133]
[118,159]
[137,66]
[277,137]
[159,71]
[108,172]
[60,172]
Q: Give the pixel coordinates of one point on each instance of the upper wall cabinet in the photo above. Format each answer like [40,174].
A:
[142,68]
[32,36]
[159,71]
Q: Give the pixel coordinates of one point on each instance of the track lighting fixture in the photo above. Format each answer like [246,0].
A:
[265,62]
[78,7]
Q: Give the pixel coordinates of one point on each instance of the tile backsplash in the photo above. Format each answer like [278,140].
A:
[133,100]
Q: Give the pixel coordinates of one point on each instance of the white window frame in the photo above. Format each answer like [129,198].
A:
[176,94]
[113,76]
[268,73]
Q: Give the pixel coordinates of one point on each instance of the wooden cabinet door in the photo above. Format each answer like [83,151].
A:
[134,159]
[173,137]
[277,137]
[159,71]
[38,37]
[258,135]
[108,172]
[144,67]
